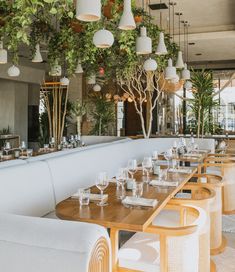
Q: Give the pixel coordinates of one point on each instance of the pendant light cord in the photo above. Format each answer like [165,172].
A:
[169,15]
[160,14]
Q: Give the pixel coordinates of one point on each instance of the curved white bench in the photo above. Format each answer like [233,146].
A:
[29,244]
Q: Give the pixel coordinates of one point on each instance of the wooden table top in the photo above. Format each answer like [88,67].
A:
[116,215]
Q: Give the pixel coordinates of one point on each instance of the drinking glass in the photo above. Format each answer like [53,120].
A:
[138,189]
[84,196]
[147,166]
[122,176]
[168,155]
[132,167]
[46,147]
[52,142]
[29,152]
[22,147]
[102,183]
[155,156]
[162,175]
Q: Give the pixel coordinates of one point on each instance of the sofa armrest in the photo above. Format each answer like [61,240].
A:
[37,244]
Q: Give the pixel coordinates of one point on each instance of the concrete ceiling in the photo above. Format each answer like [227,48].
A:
[212,29]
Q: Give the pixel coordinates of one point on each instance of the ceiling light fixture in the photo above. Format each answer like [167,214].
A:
[88,11]
[170,71]
[37,56]
[127,21]
[103,39]
[143,43]
[150,65]
[180,61]
[79,69]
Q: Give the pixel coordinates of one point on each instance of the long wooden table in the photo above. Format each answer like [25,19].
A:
[116,216]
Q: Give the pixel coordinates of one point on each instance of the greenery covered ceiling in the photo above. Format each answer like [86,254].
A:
[53,24]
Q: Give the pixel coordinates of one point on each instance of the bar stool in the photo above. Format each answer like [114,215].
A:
[217,240]
[224,166]
[166,247]
[199,196]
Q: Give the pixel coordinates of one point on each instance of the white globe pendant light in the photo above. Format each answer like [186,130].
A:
[170,71]
[64,81]
[3,54]
[88,10]
[37,57]
[143,43]
[188,85]
[185,73]
[150,65]
[180,61]
[161,48]
[97,88]
[103,39]
[79,69]
[13,71]
[127,21]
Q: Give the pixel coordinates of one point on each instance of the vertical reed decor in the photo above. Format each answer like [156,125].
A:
[55,96]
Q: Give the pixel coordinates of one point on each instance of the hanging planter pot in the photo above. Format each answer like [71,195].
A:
[138,19]
[76,26]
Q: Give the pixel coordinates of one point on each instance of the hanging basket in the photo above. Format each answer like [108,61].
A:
[168,86]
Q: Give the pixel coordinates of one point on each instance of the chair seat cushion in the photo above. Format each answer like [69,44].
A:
[167,218]
[141,252]
[213,171]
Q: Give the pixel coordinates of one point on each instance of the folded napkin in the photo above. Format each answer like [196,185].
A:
[180,170]
[93,197]
[140,201]
[183,195]
[164,183]
[195,155]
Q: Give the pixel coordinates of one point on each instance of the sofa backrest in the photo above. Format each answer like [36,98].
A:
[26,189]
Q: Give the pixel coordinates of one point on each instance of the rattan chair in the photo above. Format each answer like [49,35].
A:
[169,247]
[224,166]
[199,196]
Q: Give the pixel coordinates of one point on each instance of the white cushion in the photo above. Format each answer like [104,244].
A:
[26,189]
[30,244]
[11,163]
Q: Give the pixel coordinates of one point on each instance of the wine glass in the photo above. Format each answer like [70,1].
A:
[52,142]
[132,167]
[122,176]
[22,147]
[168,155]
[102,183]
[147,166]
[7,147]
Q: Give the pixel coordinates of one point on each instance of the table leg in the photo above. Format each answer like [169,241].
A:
[114,236]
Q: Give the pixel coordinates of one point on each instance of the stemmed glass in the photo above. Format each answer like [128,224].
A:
[168,155]
[7,147]
[102,183]
[122,176]
[132,167]
[147,166]
[22,147]
[155,156]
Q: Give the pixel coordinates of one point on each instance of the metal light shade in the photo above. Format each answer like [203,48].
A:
[37,57]
[185,75]
[3,54]
[127,21]
[180,61]
[13,71]
[150,65]
[88,10]
[97,88]
[79,69]
[64,81]
[143,43]
[91,80]
[103,39]
[170,71]
[56,70]
[188,85]
[161,48]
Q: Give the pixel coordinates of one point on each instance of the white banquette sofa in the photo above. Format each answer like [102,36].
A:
[31,239]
